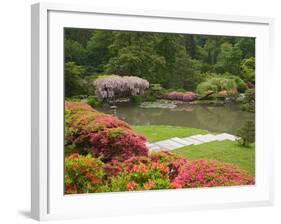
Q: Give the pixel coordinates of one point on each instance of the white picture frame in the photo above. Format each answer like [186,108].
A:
[48,201]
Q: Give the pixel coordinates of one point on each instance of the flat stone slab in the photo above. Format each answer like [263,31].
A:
[208,138]
[168,144]
[175,143]
[182,141]
[155,148]
[193,140]
[225,136]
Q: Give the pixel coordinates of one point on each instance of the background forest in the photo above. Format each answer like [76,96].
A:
[175,61]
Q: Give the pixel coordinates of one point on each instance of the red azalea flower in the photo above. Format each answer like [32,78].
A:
[95,180]
[131,185]
[149,185]
[74,155]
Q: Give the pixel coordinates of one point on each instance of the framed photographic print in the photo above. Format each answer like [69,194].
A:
[148,111]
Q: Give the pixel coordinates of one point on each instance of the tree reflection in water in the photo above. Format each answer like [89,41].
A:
[228,118]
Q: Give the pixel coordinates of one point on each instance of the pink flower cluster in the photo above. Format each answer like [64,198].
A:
[131,186]
[202,173]
[120,148]
[102,135]
[186,97]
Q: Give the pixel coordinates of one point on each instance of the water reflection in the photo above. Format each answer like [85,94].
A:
[227,118]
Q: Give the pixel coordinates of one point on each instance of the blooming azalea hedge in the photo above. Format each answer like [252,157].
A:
[160,170]
[104,136]
[186,97]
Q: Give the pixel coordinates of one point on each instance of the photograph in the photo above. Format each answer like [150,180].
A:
[157,111]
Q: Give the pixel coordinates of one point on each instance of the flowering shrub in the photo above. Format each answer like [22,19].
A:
[112,86]
[202,173]
[136,85]
[174,96]
[104,136]
[116,144]
[161,170]
[83,174]
[187,97]
[141,174]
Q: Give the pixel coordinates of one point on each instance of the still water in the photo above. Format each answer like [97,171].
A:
[228,118]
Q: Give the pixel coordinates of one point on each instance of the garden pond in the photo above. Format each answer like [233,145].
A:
[227,118]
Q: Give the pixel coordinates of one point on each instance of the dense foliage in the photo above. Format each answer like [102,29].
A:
[247,134]
[248,102]
[160,170]
[104,136]
[221,85]
[175,61]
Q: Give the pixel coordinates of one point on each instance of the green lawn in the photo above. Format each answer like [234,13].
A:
[225,151]
[156,133]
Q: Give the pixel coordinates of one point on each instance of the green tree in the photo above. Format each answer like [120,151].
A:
[212,49]
[184,74]
[190,46]
[229,59]
[133,53]
[73,79]
[98,53]
[133,60]
[74,51]
[172,60]
[248,69]
[247,134]
[247,46]
[82,36]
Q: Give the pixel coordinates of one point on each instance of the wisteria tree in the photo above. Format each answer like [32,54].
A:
[113,86]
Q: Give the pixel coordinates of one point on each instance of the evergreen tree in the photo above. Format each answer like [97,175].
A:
[247,134]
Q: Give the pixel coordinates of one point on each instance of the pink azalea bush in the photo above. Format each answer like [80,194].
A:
[186,97]
[189,96]
[203,173]
[104,136]
[162,170]
[116,144]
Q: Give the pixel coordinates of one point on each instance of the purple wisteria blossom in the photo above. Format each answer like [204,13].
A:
[113,86]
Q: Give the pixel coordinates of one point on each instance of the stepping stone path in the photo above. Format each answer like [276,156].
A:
[175,143]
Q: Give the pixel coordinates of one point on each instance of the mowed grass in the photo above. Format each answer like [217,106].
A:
[224,151]
[156,133]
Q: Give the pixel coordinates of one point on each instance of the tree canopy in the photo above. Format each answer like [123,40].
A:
[176,61]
